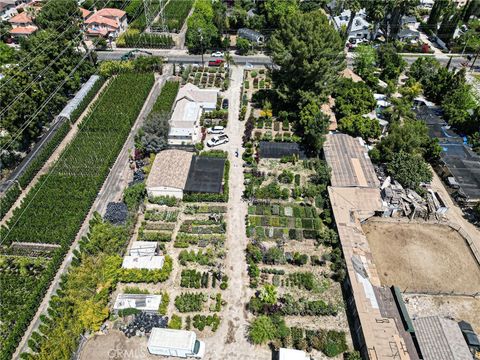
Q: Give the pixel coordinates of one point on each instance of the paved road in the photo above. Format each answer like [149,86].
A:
[112,190]
[182,56]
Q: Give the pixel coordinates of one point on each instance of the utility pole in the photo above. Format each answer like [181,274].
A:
[201,43]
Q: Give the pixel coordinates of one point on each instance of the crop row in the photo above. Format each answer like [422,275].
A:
[39,160]
[176,13]
[55,208]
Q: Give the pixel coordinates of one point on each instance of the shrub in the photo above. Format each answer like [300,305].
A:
[175,322]
[188,302]
[164,304]
[163,200]
[261,330]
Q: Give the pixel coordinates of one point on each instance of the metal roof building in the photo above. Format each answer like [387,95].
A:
[144,302]
[440,339]
[355,197]
[251,35]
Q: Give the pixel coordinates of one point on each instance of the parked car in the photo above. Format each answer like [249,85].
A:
[216,62]
[216,130]
[225,104]
[218,54]
[218,140]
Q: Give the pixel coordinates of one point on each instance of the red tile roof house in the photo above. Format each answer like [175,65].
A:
[106,23]
[22,25]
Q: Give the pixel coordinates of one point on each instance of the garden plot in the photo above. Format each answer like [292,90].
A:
[192,296]
[293,257]
[205,77]
[286,222]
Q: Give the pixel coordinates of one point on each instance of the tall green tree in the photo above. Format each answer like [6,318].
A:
[410,136]
[409,169]
[354,6]
[394,11]
[275,10]
[63,16]
[308,54]
[435,14]
[353,98]
[202,34]
[391,63]
[359,125]
[364,63]
[449,24]
[375,10]
[459,107]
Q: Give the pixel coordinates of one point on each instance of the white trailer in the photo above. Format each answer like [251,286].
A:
[180,343]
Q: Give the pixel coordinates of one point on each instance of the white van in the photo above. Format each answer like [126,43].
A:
[180,343]
[216,130]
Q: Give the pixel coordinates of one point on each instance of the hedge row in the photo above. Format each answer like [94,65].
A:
[8,199]
[39,161]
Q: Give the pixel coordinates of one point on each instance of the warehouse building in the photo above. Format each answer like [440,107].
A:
[355,197]
[175,172]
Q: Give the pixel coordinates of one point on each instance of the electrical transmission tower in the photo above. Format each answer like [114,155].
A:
[155,15]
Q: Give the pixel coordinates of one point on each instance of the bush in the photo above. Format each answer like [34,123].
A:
[188,302]
[261,330]
[175,322]
[8,199]
[163,200]
[162,310]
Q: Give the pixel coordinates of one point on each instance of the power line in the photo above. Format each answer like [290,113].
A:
[5,82]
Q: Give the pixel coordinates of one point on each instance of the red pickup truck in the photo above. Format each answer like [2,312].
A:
[216,62]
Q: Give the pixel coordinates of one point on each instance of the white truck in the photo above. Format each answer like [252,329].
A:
[180,343]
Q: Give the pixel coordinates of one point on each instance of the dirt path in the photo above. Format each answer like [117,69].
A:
[455,213]
[48,164]
[230,342]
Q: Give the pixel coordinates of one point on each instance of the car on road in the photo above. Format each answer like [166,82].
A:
[216,62]
[218,54]
[218,140]
[225,104]
[216,130]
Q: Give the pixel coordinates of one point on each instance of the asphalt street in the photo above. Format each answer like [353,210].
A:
[182,57]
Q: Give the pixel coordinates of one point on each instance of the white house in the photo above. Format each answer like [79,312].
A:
[8,9]
[190,103]
[360,27]
[143,302]
[106,22]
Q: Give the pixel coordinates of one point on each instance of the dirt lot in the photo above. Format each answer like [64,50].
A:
[422,257]
[454,307]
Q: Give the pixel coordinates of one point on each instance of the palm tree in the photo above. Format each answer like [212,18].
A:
[354,6]
[228,60]
[375,13]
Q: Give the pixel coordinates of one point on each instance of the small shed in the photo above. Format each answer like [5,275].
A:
[143,262]
[251,35]
[143,302]
[143,248]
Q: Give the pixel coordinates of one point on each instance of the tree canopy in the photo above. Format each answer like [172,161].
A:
[358,125]
[52,54]
[308,53]
[202,34]
[411,137]
[364,63]
[409,170]
[353,98]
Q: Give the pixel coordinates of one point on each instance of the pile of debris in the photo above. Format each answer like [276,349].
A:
[143,323]
[400,202]
[116,213]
